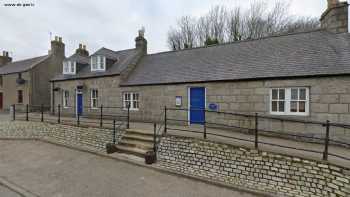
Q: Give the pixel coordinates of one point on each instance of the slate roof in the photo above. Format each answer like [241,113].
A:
[22,65]
[295,55]
[123,59]
[79,58]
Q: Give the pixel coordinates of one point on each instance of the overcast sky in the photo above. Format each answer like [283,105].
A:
[107,23]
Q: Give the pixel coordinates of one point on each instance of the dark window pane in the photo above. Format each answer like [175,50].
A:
[293,106]
[281,106]
[302,94]
[20,96]
[294,94]
[302,105]
[274,106]
[281,94]
[274,94]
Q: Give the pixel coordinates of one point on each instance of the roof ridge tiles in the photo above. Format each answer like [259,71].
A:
[242,41]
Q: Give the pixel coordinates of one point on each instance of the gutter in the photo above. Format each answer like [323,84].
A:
[87,77]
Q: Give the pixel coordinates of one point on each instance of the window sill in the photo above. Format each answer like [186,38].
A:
[99,70]
[95,108]
[125,109]
[290,114]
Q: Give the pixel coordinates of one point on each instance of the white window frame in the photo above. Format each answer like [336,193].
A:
[69,67]
[94,97]
[134,103]
[288,99]
[98,63]
[65,101]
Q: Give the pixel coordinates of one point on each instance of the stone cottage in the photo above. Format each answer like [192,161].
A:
[302,75]
[87,82]
[27,81]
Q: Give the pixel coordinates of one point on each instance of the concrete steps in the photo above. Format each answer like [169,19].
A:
[136,142]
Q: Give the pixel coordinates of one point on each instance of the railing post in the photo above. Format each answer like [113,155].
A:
[78,120]
[14,112]
[256,131]
[205,126]
[165,120]
[59,114]
[325,153]
[27,112]
[114,132]
[128,121]
[101,116]
[42,113]
[155,137]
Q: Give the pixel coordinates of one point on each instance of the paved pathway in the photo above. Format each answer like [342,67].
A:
[49,170]
[6,192]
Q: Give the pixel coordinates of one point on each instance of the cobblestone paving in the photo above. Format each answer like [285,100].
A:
[48,170]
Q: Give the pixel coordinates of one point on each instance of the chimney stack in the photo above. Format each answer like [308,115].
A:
[141,42]
[82,50]
[57,47]
[335,18]
[5,58]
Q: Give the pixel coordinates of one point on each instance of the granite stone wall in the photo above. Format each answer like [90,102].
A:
[276,174]
[329,100]
[109,95]
[87,137]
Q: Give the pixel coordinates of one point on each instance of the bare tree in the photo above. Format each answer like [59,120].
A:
[228,25]
[302,24]
[202,30]
[254,22]
[234,25]
[217,20]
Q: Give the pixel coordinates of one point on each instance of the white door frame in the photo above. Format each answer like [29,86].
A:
[76,101]
[189,101]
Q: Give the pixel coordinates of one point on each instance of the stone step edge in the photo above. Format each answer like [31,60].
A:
[136,137]
[136,145]
[130,150]
[141,132]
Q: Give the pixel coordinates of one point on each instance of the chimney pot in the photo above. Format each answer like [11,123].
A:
[59,39]
[4,53]
[84,47]
[7,53]
[56,38]
[80,46]
[332,3]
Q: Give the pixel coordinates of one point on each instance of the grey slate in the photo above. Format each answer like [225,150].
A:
[78,58]
[22,65]
[301,54]
[123,58]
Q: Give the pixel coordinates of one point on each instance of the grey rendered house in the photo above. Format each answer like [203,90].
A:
[27,81]
[303,75]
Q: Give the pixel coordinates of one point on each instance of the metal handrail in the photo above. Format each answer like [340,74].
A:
[255,119]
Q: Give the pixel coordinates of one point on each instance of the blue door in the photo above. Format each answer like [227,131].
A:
[79,104]
[197,105]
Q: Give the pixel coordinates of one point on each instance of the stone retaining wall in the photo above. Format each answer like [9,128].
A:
[268,172]
[92,138]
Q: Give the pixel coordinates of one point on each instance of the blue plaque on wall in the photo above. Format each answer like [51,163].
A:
[213,106]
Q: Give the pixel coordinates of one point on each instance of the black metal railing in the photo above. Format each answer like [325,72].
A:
[106,117]
[158,131]
[101,116]
[257,130]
